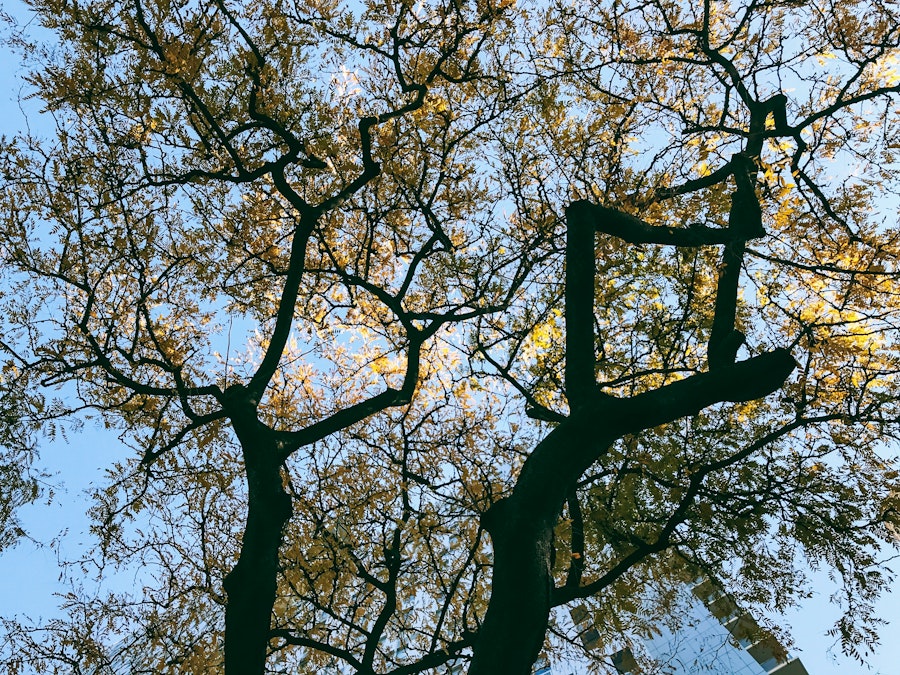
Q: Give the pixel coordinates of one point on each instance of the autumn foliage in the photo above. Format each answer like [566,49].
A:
[422,321]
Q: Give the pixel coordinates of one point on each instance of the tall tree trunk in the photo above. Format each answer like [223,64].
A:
[521,526]
[511,637]
[251,584]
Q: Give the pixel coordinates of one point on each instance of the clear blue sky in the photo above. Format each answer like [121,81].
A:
[29,574]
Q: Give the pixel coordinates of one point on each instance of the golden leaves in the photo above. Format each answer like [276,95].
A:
[197,149]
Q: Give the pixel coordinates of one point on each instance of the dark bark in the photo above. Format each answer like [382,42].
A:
[580,271]
[576,564]
[633,230]
[251,584]
[724,339]
[511,637]
[521,526]
[744,223]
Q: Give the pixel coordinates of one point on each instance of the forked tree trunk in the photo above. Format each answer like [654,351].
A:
[512,634]
[251,584]
[521,528]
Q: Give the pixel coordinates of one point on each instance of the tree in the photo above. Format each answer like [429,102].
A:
[20,482]
[515,286]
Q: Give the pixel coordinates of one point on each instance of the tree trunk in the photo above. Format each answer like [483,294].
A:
[511,637]
[251,584]
[521,526]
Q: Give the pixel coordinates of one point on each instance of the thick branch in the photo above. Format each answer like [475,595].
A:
[291,638]
[343,418]
[287,303]
[580,270]
[567,451]
[568,593]
[521,526]
[744,222]
[724,339]
[635,231]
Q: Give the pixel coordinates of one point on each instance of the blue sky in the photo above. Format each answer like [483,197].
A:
[29,574]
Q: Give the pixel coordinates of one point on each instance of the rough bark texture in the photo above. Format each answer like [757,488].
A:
[251,584]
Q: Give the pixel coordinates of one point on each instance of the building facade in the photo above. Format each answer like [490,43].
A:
[715,637]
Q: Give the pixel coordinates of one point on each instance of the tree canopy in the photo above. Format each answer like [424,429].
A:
[423,321]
